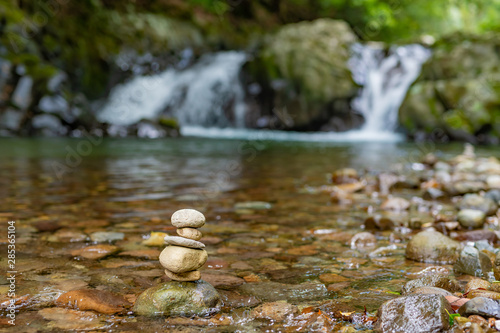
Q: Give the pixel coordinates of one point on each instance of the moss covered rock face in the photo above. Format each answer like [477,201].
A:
[458,93]
[303,70]
[177,298]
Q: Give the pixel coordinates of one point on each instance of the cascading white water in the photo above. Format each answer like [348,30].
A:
[208,98]
[385,79]
[199,95]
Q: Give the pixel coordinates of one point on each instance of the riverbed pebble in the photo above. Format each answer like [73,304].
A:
[432,247]
[478,202]
[471,218]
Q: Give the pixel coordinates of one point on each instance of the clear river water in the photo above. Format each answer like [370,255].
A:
[273,231]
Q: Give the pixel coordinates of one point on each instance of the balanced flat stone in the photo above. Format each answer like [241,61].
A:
[188,276]
[187,218]
[181,241]
[179,259]
[190,233]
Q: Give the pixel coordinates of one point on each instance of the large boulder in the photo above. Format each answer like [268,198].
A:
[458,92]
[304,78]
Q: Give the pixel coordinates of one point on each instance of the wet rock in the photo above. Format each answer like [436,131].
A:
[274,291]
[67,236]
[378,222]
[431,291]
[473,262]
[234,300]
[432,247]
[90,299]
[483,293]
[177,298]
[65,319]
[477,202]
[363,240]
[190,233]
[415,313]
[493,181]
[477,235]
[181,241]
[481,306]
[346,175]
[456,302]
[476,284]
[436,280]
[146,254]
[496,267]
[187,218]
[106,236]
[433,194]
[493,195]
[95,251]
[395,204]
[277,311]
[384,251]
[252,205]
[222,280]
[180,259]
[331,278]
[335,287]
[43,226]
[464,187]
[471,218]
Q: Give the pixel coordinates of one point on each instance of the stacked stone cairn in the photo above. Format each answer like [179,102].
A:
[184,254]
[186,295]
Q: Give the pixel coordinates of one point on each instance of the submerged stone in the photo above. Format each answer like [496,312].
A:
[177,298]
[415,313]
[274,291]
[432,247]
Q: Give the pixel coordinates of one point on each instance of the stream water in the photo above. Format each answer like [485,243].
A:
[296,247]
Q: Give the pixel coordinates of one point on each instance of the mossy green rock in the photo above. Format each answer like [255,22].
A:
[303,70]
[457,94]
[177,298]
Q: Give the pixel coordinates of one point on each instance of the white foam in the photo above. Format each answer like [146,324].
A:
[274,135]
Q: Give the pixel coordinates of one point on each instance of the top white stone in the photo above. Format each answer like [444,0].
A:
[188,218]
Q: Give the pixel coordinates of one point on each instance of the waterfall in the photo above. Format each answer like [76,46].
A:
[208,94]
[385,78]
[208,98]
